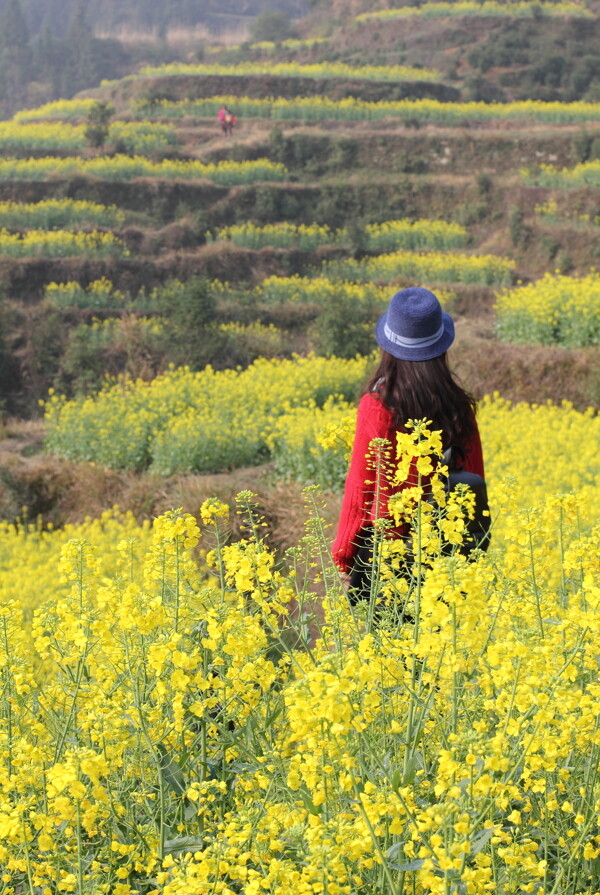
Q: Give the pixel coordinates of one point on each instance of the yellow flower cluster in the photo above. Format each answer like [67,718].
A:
[294,70]
[282,236]
[553,212]
[26,547]
[202,421]
[125,167]
[137,137]
[584,174]
[60,108]
[517,441]
[99,294]
[142,137]
[320,290]
[385,237]
[60,244]
[263,340]
[519,9]
[321,108]
[56,214]
[276,290]
[114,329]
[41,135]
[430,267]
[188,722]
[555,310]
[310,444]
[415,235]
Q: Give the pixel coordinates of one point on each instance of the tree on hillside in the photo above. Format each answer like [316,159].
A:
[98,124]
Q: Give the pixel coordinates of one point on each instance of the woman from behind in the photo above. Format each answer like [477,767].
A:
[413,381]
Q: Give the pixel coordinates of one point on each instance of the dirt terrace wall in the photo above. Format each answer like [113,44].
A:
[177,87]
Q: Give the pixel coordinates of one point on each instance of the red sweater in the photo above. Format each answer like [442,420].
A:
[359,508]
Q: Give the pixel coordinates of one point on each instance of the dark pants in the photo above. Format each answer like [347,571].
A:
[362,567]
[361,574]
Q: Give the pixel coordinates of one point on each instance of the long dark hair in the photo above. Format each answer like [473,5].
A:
[425,389]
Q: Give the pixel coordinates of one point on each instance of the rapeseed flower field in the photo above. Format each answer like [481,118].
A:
[61,244]
[99,294]
[316,290]
[185,712]
[294,70]
[56,214]
[322,108]
[202,421]
[182,714]
[300,413]
[385,237]
[555,310]
[425,267]
[519,9]
[583,174]
[137,137]
[125,167]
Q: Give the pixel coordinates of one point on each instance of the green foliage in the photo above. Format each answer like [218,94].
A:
[585,147]
[272,25]
[541,60]
[84,362]
[98,123]
[189,312]
[519,232]
[344,328]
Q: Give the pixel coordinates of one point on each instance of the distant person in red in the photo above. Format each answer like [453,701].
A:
[227,120]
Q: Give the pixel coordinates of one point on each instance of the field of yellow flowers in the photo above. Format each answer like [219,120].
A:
[430,267]
[60,244]
[184,713]
[584,174]
[385,237]
[293,70]
[126,167]
[322,108]
[136,137]
[57,214]
[202,421]
[519,9]
[556,310]
[297,412]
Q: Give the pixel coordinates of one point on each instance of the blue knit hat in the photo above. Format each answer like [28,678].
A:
[414,327]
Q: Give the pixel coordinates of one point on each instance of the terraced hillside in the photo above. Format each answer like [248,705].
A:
[191,703]
[343,180]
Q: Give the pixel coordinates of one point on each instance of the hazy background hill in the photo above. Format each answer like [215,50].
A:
[109,15]
[55,48]
[52,49]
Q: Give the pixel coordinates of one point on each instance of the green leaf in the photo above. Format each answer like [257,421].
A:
[171,772]
[183,844]
[411,770]
[481,840]
[410,865]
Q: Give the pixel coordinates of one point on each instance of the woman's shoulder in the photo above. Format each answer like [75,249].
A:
[371,405]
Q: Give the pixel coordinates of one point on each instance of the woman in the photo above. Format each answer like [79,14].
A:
[413,381]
